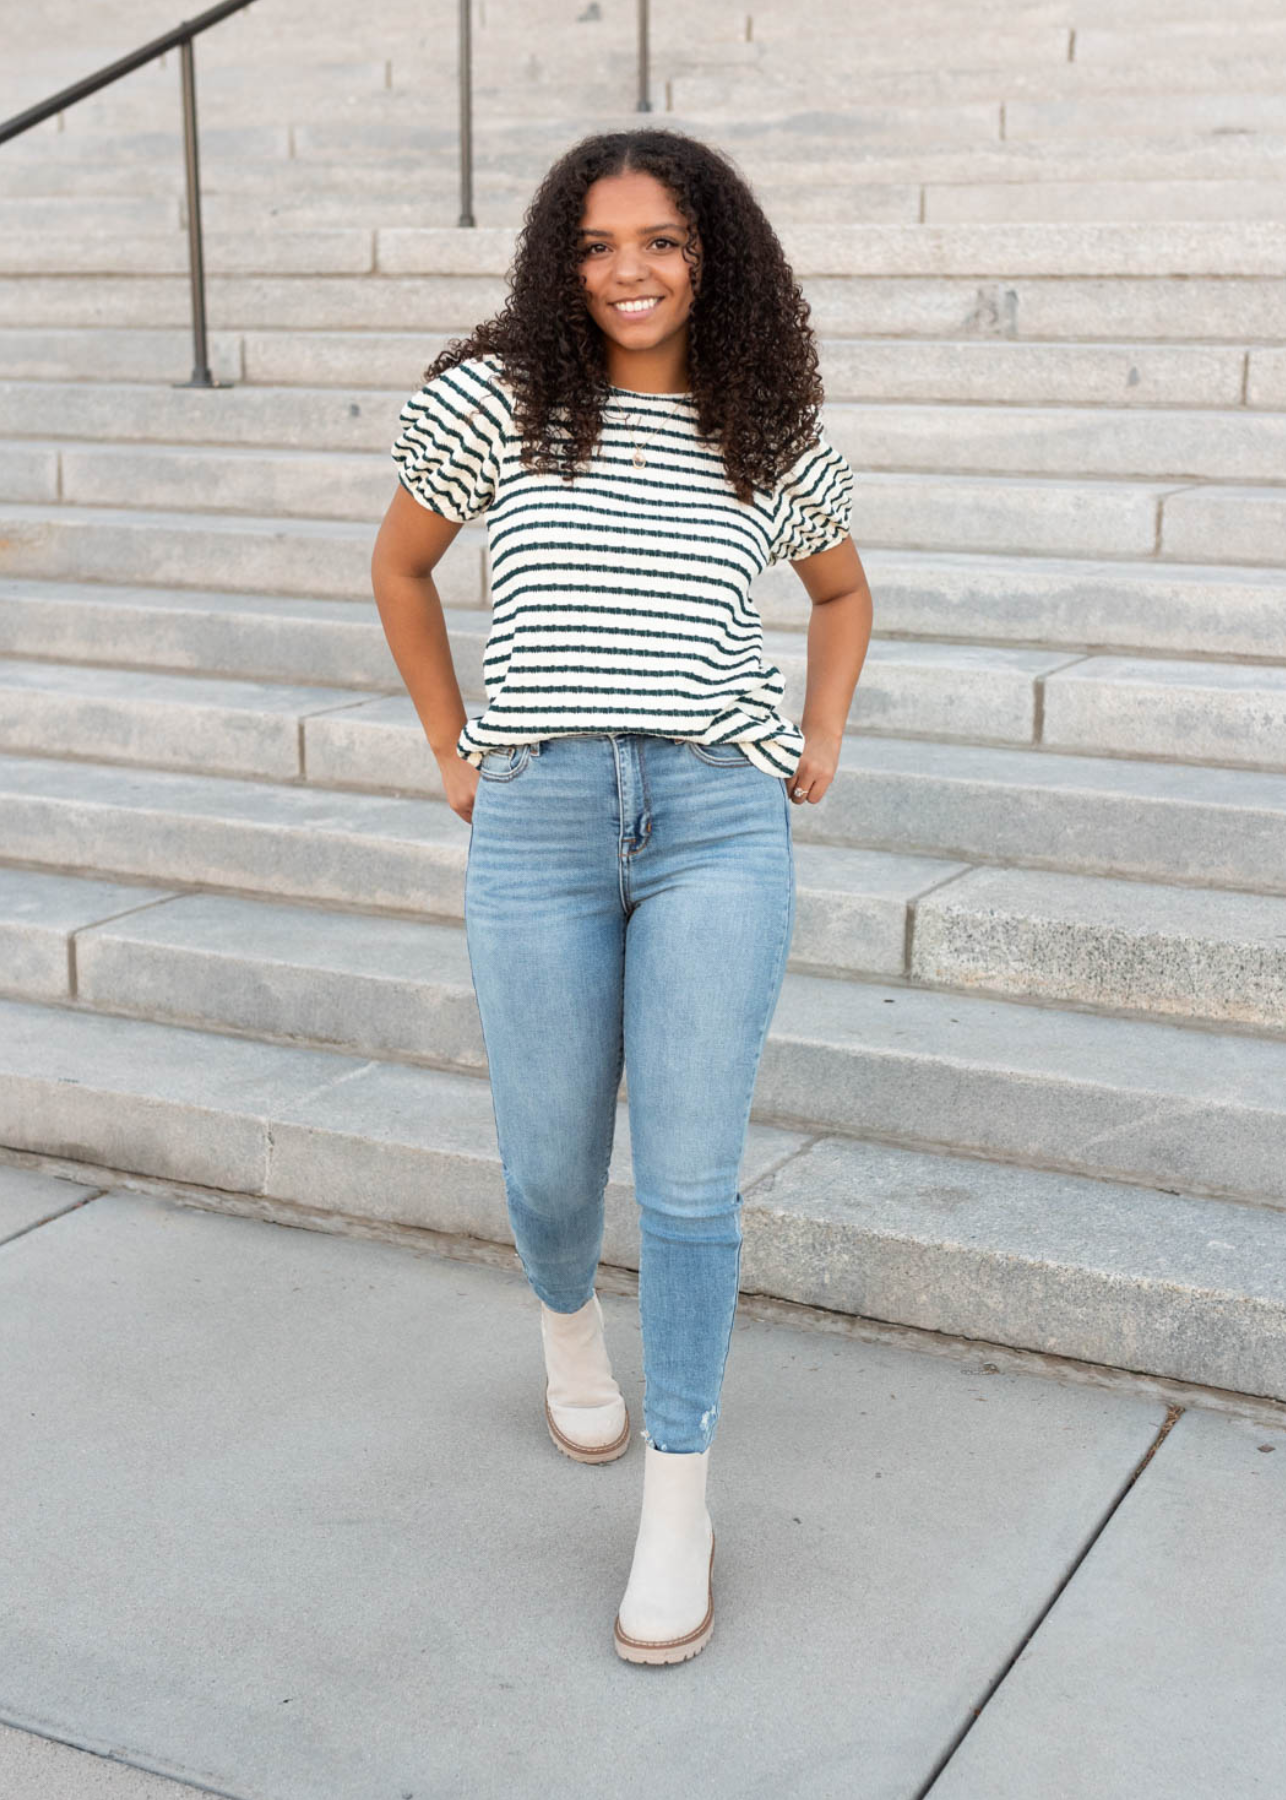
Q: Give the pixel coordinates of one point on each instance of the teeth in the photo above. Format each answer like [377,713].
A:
[634,305]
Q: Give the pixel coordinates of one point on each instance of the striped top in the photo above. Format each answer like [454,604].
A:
[620,600]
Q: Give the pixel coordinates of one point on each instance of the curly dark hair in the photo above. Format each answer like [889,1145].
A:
[752,358]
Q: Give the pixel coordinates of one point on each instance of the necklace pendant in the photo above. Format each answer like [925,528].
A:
[640,461]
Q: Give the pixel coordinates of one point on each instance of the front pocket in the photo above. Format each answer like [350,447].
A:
[721,755]
[504,765]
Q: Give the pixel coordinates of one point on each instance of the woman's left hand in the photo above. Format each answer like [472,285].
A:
[816,767]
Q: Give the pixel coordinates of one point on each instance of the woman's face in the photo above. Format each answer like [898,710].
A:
[631,249]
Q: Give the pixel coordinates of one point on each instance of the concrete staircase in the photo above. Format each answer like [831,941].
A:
[1027,1079]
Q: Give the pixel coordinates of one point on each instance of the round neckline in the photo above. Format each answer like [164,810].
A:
[639,394]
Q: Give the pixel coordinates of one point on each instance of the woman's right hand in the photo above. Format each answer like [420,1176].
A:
[459,784]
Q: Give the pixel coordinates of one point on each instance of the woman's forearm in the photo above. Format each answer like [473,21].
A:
[839,633]
[411,614]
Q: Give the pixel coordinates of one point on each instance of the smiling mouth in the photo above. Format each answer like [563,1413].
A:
[636,309]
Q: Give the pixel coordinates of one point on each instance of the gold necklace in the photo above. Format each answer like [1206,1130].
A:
[640,461]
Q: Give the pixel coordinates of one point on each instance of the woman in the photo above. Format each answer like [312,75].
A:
[639,424]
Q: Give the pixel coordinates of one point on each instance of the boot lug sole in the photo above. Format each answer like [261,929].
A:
[590,1453]
[674,1650]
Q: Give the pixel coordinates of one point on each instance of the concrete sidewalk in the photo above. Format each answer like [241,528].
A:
[285,1523]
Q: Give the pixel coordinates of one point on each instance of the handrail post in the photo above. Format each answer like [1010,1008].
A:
[465,60]
[181,37]
[645,104]
[201,376]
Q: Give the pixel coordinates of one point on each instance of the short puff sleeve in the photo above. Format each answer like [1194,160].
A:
[814,504]
[450,449]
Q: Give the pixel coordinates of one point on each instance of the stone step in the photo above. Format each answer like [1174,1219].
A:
[713,97]
[779,85]
[1229,714]
[376,851]
[856,201]
[598,83]
[1089,941]
[237,727]
[935,92]
[783,167]
[1032,307]
[1123,1276]
[1248,523]
[1167,1284]
[862,369]
[106,430]
[1031,808]
[1266,377]
[1180,608]
[745,107]
[407,86]
[1066,201]
[28,472]
[404,111]
[216,75]
[504,200]
[1205,39]
[1013,54]
[855,368]
[851,916]
[698,102]
[1139,1101]
[98,214]
[1210,713]
[785,72]
[256,637]
[217,726]
[195,496]
[1187,114]
[1177,442]
[1149,251]
[1046,809]
[406,94]
[121,354]
[45,143]
[1180,952]
[349,252]
[253,653]
[317,558]
[1138,249]
[1180,611]
[1193,712]
[297,972]
[1174,609]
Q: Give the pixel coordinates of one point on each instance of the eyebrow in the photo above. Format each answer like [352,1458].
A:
[645,231]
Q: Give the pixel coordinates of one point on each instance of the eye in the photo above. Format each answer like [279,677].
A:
[670,244]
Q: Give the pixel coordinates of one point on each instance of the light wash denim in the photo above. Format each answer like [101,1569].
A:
[629,903]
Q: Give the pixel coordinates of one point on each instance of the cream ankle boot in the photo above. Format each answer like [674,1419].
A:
[667,1614]
[584,1407]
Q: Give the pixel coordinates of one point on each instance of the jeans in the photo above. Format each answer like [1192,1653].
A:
[629,902]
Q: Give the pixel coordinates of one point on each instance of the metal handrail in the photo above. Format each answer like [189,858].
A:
[645,104]
[465,64]
[181,38]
